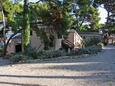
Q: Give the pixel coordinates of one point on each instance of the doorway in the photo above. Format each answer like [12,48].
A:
[18,48]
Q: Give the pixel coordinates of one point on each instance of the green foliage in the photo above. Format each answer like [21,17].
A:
[16,17]
[67,22]
[86,14]
[26,27]
[1,50]
[94,18]
[40,11]
[2,1]
[0,15]
[92,41]
[32,53]
[87,50]
[18,58]
[91,50]
[110,27]
[26,32]
[86,28]
[51,14]
[83,2]
[51,54]
[11,9]
[45,54]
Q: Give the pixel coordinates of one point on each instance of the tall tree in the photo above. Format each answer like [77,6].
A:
[109,5]
[26,27]
[86,13]
[9,9]
[55,16]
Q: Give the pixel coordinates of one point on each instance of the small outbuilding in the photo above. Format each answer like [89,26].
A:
[73,40]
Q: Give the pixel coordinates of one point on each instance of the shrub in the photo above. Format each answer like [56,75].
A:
[51,54]
[19,58]
[92,41]
[32,52]
[93,49]
[88,50]
[1,50]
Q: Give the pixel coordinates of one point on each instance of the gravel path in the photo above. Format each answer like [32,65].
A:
[98,70]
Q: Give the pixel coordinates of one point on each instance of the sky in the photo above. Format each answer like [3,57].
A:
[103,14]
[102,11]
[33,0]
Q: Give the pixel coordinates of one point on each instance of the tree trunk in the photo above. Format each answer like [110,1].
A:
[4,26]
[26,27]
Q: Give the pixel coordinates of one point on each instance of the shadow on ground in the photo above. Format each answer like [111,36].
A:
[93,77]
[19,84]
[101,67]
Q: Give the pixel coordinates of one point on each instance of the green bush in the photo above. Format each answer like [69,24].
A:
[18,58]
[93,49]
[88,50]
[92,41]
[32,52]
[51,54]
[1,50]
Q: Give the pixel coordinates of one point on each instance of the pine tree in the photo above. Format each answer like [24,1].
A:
[26,27]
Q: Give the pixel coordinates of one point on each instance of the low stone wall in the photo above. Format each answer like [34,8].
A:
[89,35]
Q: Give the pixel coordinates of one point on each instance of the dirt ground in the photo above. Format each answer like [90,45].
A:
[96,70]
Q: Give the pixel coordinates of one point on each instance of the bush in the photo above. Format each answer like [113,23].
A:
[51,54]
[88,50]
[32,52]
[92,41]
[19,58]
[93,49]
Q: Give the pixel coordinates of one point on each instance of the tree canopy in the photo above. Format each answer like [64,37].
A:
[55,16]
